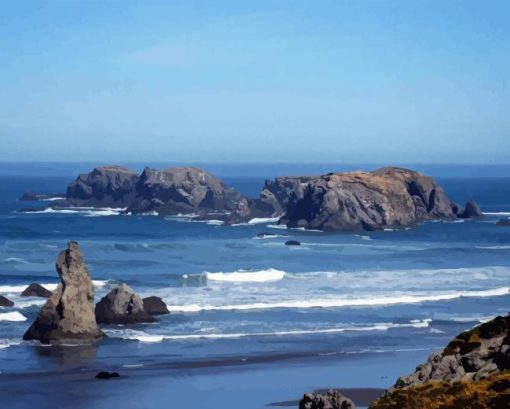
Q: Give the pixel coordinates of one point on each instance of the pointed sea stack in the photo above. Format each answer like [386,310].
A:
[68,315]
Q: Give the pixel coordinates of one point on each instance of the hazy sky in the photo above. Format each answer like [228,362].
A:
[344,81]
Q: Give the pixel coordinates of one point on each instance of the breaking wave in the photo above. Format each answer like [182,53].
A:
[259,276]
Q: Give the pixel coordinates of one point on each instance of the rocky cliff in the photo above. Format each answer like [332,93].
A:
[390,198]
[68,315]
[473,371]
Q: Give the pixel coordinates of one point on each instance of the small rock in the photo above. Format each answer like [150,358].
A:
[5,302]
[503,223]
[36,290]
[333,399]
[292,243]
[107,375]
[155,306]
[121,306]
[472,210]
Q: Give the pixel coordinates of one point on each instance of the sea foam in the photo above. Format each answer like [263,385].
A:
[259,276]
[13,316]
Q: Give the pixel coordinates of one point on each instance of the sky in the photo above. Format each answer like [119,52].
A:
[255,81]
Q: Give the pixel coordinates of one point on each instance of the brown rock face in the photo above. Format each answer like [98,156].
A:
[68,315]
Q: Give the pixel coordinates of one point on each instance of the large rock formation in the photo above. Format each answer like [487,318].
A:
[386,198]
[107,186]
[333,399]
[68,315]
[121,306]
[472,356]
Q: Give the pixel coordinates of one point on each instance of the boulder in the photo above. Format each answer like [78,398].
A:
[292,243]
[503,223]
[333,399]
[5,302]
[471,211]
[68,315]
[36,290]
[121,306]
[107,375]
[155,306]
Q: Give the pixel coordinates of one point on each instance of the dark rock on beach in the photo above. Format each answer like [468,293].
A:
[68,315]
[333,399]
[503,223]
[107,375]
[292,243]
[36,290]
[122,306]
[5,302]
[155,306]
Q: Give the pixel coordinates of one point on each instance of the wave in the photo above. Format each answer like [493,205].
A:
[493,247]
[10,289]
[85,211]
[17,260]
[344,302]
[496,213]
[52,199]
[263,220]
[150,338]
[259,276]
[13,316]
[277,226]
[6,343]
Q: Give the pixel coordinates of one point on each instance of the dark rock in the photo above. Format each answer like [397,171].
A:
[121,306]
[503,223]
[36,290]
[385,198]
[107,375]
[471,211]
[292,243]
[5,302]
[68,315]
[155,306]
[333,399]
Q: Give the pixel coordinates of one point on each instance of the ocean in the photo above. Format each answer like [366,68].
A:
[253,323]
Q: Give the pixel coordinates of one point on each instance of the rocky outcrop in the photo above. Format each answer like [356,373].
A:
[68,315]
[333,399]
[472,356]
[121,306]
[386,198]
[106,186]
[36,290]
[155,306]
[5,302]
[470,211]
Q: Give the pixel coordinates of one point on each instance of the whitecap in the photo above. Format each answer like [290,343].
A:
[493,247]
[269,274]
[496,213]
[9,289]
[13,316]
[263,220]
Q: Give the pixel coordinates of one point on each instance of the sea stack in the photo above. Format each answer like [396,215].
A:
[68,315]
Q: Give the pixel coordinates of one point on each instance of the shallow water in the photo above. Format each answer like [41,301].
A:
[254,321]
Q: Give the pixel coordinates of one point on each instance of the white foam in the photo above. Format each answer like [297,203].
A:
[6,343]
[493,247]
[497,213]
[52,199]
[343,302]
[268,236]
[18,260]
[263,220]
[277,226]
[86,211]
[144,337]
[13,316]
[259,276]
[9,289]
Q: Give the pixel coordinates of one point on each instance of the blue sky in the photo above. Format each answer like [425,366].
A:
[248,81]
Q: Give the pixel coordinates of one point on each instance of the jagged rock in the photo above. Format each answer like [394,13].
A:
[333,399]
[121,306]
[106,186]
[471,211]
[155,306]
[5,302]
[68,315]
[292,243]
[107,375]
[36,290]
[503,223]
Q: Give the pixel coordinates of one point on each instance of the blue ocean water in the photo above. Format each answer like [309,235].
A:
[253,321]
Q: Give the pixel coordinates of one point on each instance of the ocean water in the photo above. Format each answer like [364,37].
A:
[254,322]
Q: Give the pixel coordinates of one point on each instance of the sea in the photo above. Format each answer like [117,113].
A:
[254,323]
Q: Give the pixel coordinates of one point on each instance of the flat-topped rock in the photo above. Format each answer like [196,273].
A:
[122,306]
[68,315]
